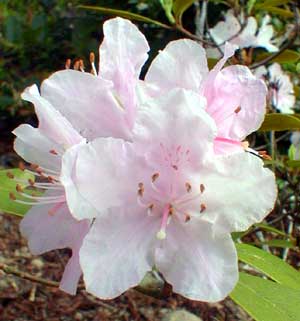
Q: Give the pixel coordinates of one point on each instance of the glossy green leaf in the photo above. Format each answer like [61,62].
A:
[168,6]
[279,243]
[124,14]
[180,6]
[293,163]
[8,185]
[270,265]
[265,300]
[297,88]
[280,122]
[280,12]
[270,3]
[287,56]
[269,228]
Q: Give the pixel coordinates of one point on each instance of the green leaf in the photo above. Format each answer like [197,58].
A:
[280,12]
[269,264]
[8,185]
[269,228]
[168,6]
[265,300]
[124,14]
[286,56]
[293,163]
[297,88]
[272,3]
[179,7]
[280,122]
[279,243]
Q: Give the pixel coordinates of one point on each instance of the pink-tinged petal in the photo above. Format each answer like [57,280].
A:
[34,147]
[72,274]
[118,251]
[73,92]
[199,265]
[166,124]
[122,55]
[105,173]
[181,64]
[231,198]
[51,123]
[237,102]
[46,230]
[78,205]
[207,86]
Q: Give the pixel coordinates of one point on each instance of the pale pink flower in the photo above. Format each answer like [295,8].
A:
[236,99]
[250,36]
[281,89]
[75,107]
[166,200]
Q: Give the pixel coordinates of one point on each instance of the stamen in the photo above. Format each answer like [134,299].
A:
[238,109]
[187,218]
[92,61]
[81,65]
[68,64]
[10,175]
[76,65]
[12,196]
[155,177]
[22,166]
[202,188]
[188,187]
[53,152]
[202,208]
[141,189]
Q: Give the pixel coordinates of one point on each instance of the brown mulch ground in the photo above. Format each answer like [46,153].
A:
[22,300]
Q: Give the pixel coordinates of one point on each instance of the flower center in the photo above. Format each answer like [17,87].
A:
[159,203]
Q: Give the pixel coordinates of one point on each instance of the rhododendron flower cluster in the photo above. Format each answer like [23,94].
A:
[243,32]
[142,174]
[281,90]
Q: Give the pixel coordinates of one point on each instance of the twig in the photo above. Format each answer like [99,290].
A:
[295,33]
[26,276]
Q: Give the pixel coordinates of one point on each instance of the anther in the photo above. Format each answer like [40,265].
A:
[238,109]
[141,189]
[202,188]
[76,65]
[12,196]
[154,177]
[68,64]
[188,187]
[19,189]
[53,151]
[81,65]
[31,182]
[175,167]
[202,208]
[10,175]
[21,166]
[92,58]
[187,218]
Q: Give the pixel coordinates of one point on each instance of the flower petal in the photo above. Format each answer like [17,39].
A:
[181,64]
[51,123]
[116,253]
[78,205]
[73,92]
[46,232]
[103,174]
[237,102]
[175,120]
[199,265]
[34,147]
[122,55]
[231,193]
